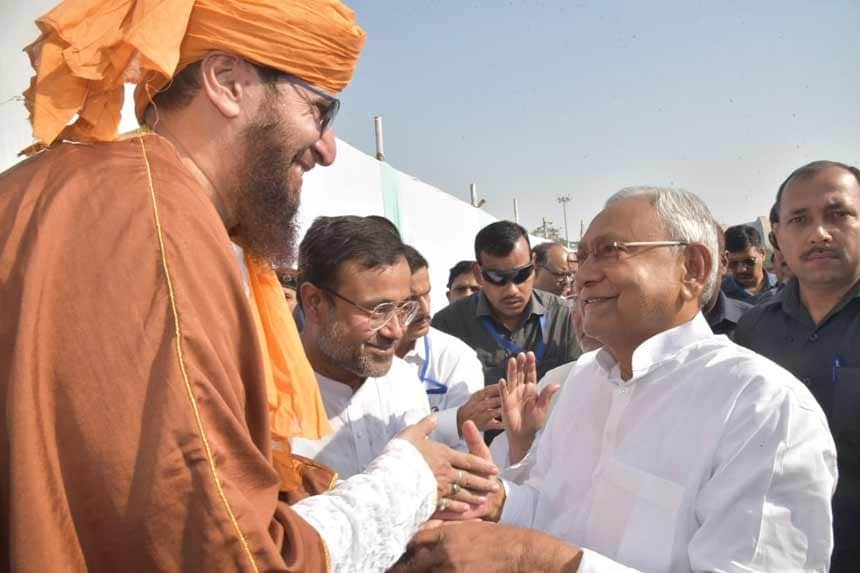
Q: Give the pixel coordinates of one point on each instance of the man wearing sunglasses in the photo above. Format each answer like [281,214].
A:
[747,280]
[552,269]
[508,316]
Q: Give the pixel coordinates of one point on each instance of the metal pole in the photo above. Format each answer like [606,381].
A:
[564,200]
[377,126]
[516,212]
[473,194]
[545,222]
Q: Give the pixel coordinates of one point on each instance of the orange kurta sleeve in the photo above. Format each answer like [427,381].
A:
[136,430]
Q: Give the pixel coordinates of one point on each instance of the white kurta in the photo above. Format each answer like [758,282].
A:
[710,458]
[364,422]
[453,363]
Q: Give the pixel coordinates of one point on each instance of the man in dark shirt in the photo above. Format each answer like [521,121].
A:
[747,279]
[508,316]
[722,312]
[812,327]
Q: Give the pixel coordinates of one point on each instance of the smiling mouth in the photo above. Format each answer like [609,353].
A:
[598,300]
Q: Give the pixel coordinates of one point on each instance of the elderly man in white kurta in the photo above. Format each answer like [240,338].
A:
[671,449]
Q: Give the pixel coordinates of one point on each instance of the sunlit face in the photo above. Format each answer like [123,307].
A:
[345,336]
[508,300]
[819,228]
[463,286]
[554,276]
[420,292]
[281,143]
[586,343]
[747,266]
[572,263]
[626,301]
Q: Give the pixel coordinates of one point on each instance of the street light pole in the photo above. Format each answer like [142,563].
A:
[564,200]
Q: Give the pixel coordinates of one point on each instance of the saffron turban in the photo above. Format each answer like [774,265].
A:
[89,48]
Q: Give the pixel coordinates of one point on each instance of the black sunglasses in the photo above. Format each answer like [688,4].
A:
[502,277]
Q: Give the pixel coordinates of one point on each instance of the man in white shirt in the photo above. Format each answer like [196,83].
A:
[447,367]
[354,289]
[678,451]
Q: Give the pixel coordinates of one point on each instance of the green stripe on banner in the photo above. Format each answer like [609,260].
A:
[391,193]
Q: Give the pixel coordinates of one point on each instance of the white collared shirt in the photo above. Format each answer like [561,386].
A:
[364,422]
[452,363]
[710,458]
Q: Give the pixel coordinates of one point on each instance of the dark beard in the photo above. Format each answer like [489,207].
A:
[266,206]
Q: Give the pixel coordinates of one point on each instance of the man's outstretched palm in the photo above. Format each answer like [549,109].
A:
[524,410]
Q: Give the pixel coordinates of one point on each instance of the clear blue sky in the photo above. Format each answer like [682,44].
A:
[538,99]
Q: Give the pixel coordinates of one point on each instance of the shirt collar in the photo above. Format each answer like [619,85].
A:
[793,306]
[534,307]
[660,347]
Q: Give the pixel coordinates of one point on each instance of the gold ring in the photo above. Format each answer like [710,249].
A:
[443,504]
[455,488]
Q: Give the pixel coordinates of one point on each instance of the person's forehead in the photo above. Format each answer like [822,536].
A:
[630,219]
[748,252]
[372,286]
[558,256]
[421,280]
[520,255]
[829,186]
[467,278]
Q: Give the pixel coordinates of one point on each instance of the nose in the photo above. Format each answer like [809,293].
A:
[325,148]
[587,273]
[820,234]
[393,329]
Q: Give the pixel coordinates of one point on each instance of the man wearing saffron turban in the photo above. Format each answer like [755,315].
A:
[150,372]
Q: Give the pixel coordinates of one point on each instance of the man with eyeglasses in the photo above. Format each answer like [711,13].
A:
[669,449]
[747,279]
[722,312]
[355,293]
[508,317]
[150,372]
[552,269]
[448,369]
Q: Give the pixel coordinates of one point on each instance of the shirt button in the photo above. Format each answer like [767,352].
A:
[813,337]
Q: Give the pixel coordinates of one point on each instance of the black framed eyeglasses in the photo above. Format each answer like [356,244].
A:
[613,251]
[382,313]
[748,262]
[561,277]
[501,277]
[328,110]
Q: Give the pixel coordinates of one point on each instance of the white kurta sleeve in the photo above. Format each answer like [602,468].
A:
[367,520]
[766,506]
[466,378]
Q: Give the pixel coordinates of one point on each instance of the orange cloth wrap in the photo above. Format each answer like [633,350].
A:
[89,48]
[295,403]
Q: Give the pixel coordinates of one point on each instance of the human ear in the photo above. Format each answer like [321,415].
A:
[698,263]
[224,80]
[476,271]
[314,302]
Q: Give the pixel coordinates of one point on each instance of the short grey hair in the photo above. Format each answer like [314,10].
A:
[687,219]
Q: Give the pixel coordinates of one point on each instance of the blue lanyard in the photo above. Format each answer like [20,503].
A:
[510,346]
[432,386]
